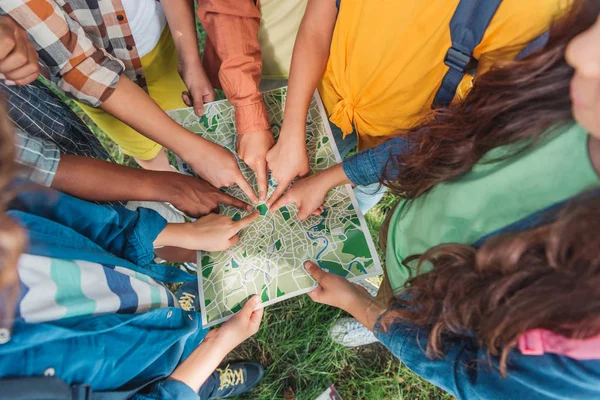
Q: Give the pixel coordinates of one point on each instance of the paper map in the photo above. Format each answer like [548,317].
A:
[269,257]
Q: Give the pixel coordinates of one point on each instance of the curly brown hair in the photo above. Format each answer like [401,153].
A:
[545,277]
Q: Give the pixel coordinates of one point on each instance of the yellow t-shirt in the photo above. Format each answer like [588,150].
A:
[279,26]
[387,58]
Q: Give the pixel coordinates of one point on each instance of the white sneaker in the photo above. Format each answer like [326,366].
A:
[350,333]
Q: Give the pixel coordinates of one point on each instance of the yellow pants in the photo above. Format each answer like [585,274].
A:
[164,86]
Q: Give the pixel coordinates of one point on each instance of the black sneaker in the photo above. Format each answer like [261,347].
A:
[236,379]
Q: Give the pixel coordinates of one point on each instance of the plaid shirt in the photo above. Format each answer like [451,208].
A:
[39,158]
[86,44]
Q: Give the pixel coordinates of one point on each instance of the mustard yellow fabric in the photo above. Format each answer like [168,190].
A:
[279,26]
[387,58]
[164,86]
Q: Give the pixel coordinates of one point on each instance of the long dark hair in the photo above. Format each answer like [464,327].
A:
[543,278]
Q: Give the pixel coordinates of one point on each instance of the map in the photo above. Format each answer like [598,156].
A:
[270,255]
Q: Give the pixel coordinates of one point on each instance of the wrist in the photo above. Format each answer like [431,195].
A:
[334,176]
[365,308]
[293,134]
[174,234]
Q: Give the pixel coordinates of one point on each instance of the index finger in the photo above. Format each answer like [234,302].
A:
[282,201]
[224,198]
[244,222]
[281,187]
[261,177]
[246,188]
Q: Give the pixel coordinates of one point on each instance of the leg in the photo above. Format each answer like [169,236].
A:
[129,140]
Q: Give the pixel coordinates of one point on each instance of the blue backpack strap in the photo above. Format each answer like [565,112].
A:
[468,25]
[535,45]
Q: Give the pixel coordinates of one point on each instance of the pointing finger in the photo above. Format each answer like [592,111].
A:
[246,188]
[283,201]
[244,222]
[261,177]
[282,186]
[224,198]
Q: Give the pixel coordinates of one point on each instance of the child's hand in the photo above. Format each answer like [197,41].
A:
[218,166]
[287,160]
[200,89]
[338,292]
[309,193]
[18,57]
[215,232]
[211,233]
[239,327]
[195,197]
[253,148]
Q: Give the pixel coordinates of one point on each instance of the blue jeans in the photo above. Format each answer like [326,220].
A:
[367,196]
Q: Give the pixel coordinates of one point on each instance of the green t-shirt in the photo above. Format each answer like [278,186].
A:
[489,197]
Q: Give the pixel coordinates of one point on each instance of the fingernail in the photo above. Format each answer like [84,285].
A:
[9,83]
[308,265]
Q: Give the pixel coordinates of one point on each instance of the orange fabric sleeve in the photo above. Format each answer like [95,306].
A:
[233,60]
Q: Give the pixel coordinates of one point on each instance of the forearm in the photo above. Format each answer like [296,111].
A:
[146,117]
[182,23]
[366,309]
[309,60]
[98,180]
[196,369]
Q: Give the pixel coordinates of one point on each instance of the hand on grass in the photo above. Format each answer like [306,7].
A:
[18,57]
[253,148]
[196,197]
[287,160]
[338,292]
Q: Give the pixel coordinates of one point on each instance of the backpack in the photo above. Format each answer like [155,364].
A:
[467,28]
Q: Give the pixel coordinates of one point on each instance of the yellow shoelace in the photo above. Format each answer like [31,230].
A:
[187,301]
[229,377]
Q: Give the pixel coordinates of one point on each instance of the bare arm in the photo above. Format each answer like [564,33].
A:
[212,162]
[182,22]
[288,158]
[311,53]
[97,180]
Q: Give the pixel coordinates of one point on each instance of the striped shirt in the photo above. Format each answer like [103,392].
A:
[86,44]
[54,289]
[38,157]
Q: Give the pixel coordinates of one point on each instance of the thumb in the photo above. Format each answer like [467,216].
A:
[197,101]
[314,271]
[249,307]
